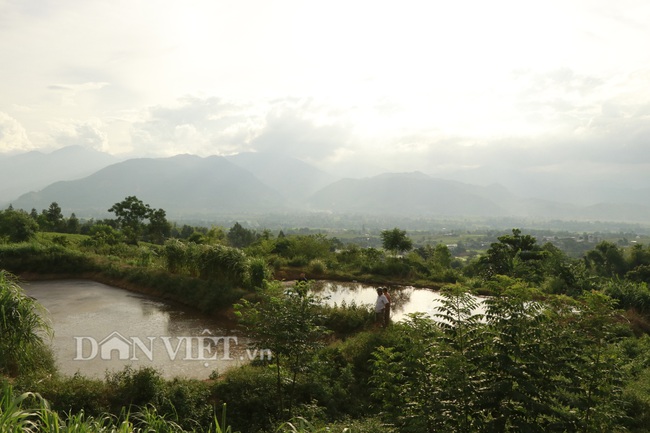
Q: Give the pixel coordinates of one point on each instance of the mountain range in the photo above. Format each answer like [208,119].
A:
[87,183]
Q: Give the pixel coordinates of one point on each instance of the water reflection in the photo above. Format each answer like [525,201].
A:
[405,299]
[99,328]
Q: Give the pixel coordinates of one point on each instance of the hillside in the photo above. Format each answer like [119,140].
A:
[294,179]
[405,194]
[182,185]
[263,185]
[32,171]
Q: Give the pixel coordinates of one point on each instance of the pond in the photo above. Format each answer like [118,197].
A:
[99,328]
[404,299]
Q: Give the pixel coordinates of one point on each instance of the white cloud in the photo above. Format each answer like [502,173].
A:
[89,134]
[13,136]
[415,85]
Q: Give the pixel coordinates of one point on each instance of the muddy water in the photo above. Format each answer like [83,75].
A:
[99,328]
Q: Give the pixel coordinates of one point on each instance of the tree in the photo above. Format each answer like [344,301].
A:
[441,256]
[73,225]
[241,237]
[17,225]
[514,255]
[285,322]
[130,213]
[396,240]
[159,228]
[54,216]
[606,260]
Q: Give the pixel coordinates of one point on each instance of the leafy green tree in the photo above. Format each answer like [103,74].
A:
[520,376]
[216,235]
[17,225]
[595,373]
[241,237]
[53,217]
[159,228]
[638,256]
[72,224]
[514,255]
[131,213]
[433,380]
[606,260]
[462,351]
[638,263]
[396,240]
[441,256]
[287,323]
[406,379]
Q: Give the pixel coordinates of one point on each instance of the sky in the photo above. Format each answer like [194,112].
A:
[441,87]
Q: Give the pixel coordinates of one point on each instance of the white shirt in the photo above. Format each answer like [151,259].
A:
[382,301]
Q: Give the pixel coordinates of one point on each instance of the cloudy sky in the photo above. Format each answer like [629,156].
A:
[395,85]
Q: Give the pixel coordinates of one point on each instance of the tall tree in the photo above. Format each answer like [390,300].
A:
[159,228]
[514,255]
[241,237]
[131,213]
[396,240]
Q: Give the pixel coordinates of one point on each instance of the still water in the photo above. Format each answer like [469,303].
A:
[99,328]
[404,299]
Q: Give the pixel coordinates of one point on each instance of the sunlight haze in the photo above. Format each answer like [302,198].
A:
[439,87]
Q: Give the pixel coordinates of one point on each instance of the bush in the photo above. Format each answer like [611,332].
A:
[258,272]
[131,387]
[251,395]
[317,267]
[347,319]
[76,394]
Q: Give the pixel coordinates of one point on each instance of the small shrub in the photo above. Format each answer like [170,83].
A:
[317,267]
[135,387]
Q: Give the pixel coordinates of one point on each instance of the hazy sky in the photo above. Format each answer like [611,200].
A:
[401,85]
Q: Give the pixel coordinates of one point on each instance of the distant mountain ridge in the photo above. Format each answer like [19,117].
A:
[249,184]
[294,179]
[34,170]
[414,194]
[181,185]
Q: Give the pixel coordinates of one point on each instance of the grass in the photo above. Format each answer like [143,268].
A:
[31,413]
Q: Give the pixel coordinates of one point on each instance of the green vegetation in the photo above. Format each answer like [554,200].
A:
[23,330]
[562,343]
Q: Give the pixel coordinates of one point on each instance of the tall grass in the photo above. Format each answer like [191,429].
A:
[23,329]
[14,417]
[31,413]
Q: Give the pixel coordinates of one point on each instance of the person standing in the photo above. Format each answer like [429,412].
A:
[380,307]
[387,307]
